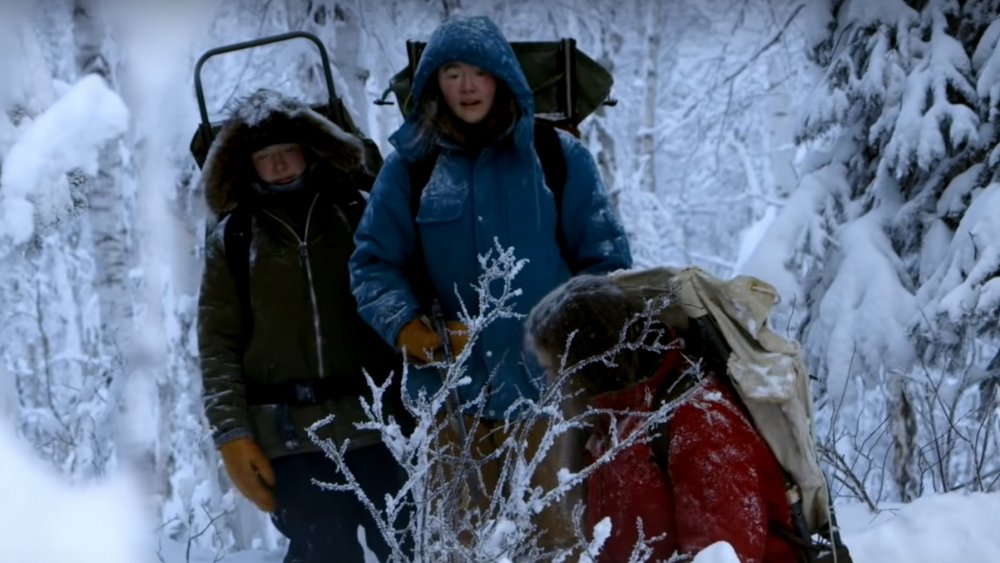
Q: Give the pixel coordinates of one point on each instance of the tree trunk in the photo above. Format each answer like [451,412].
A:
[903,428]
[647,139]
[450,8]
[106,209]
[607,162]
[348,46]
[111,239]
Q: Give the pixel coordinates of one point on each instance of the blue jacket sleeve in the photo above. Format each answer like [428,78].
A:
[595,238]
[385,244]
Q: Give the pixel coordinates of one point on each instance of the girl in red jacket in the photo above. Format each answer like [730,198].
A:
[707,476]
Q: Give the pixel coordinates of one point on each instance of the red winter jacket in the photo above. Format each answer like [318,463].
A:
[723,482]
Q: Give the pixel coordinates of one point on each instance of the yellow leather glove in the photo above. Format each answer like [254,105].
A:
[250,471]
[458,336]
[423,344]
[418,341]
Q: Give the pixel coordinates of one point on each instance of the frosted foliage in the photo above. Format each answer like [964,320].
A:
[865,298]
[865,13]
[800,225]
[928,119]
[895,299]
[860,85]
[965,280]
[720,131]
[66,136]
[956,196]
[986,61]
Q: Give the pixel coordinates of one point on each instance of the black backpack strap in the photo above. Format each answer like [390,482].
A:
[419,173]
[672,389]
[236,244]
[348,195]
[550,153]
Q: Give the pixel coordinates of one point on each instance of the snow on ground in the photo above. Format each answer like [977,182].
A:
[43,519]
[955,527]
[936,528]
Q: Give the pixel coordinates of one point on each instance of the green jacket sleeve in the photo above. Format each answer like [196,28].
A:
[220,344]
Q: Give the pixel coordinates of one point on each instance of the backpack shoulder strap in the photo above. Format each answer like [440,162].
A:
[348,193]
[236,240]
[419,173]
[550,153]
[670,390]
[548,146]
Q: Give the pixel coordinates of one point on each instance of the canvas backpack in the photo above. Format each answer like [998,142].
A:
[768,375]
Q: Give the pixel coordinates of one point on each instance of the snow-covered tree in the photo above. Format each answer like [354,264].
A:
[886,248]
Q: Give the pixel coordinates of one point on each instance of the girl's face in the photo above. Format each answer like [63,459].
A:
[279,164]
[468,90]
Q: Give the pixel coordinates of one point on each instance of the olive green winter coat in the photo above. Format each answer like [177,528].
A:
[305,324]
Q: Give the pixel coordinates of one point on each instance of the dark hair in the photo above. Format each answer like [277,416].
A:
[597,309]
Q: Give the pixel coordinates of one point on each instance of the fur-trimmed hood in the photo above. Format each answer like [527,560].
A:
[265,115]
[596,311]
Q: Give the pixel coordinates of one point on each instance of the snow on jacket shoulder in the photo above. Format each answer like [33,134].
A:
[470,202]
[725,482]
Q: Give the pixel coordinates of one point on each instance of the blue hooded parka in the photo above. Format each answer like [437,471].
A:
[471,200]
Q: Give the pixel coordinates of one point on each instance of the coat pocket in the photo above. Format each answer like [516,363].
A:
[444,198]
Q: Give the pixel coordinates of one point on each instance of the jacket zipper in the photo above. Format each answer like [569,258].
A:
[303,249]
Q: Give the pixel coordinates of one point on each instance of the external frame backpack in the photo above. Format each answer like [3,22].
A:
[567,84]
[237,234]
[333,108]
[769,377]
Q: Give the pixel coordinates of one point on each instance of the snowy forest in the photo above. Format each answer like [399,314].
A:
[845,151]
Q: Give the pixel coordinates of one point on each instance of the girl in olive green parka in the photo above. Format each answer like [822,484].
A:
[280,340]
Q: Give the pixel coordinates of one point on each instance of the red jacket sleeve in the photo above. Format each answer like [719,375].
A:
[714,478]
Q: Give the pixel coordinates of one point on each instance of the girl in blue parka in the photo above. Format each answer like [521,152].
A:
[472,106]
